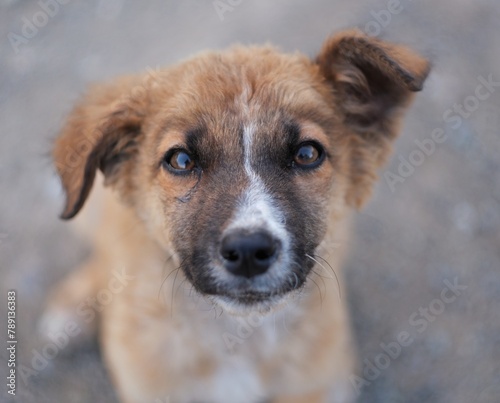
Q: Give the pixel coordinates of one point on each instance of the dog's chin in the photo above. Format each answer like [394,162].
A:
[242,296]
[253,303]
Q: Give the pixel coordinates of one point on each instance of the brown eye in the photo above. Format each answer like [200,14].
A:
[179,161]
[308,155]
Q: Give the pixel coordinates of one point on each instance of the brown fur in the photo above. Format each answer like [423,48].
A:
[350,99]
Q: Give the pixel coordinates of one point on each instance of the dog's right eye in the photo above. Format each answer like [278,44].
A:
[179,161]
[309,155]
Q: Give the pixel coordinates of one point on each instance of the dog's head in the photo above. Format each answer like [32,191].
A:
[236,161]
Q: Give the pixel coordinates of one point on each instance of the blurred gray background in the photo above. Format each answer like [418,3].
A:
[441,223]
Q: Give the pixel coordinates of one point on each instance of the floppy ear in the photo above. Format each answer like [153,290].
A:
[100,133]
[373,83]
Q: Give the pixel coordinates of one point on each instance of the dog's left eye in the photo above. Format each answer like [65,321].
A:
[309,155]
[179,161]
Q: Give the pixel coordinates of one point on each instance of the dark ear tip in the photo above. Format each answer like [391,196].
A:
[417,84]
[66,216]
[69,212]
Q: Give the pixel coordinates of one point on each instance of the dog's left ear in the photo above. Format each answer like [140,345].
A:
[101,132]
[373,83]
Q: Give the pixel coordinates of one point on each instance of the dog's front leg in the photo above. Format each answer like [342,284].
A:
[68,304]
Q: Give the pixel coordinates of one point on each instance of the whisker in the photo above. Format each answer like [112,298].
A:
[320,294]
[165,279]
[333,271]
[296,280]
[179,286]
[321,277]
[329,265]
[172,297]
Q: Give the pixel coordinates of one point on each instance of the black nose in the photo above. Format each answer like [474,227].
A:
[248,254]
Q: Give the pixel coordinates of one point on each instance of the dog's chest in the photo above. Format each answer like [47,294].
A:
[235,380]
[239,350]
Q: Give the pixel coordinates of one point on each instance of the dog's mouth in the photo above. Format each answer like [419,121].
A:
[253,301]
[249,296]
[241,295]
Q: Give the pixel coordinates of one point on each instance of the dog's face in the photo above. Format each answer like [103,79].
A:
[243,173]
[236,161]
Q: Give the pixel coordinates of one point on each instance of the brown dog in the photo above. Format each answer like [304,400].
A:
[232,176]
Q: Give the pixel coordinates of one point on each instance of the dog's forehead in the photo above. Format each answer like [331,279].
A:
[223,96]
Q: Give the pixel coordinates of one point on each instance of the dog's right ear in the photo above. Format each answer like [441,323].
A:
[101,133]
[373,82]
[373,79]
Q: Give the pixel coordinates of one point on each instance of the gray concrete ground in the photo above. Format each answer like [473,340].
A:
[439,225]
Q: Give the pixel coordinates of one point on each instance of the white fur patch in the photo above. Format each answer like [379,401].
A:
[238,378]
[237,381]
[257,209]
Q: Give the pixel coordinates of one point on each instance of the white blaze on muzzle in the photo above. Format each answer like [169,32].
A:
[256,209]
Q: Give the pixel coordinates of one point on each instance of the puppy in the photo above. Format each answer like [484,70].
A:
[217,240]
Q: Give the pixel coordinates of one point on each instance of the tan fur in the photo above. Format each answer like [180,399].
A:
[158,337]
